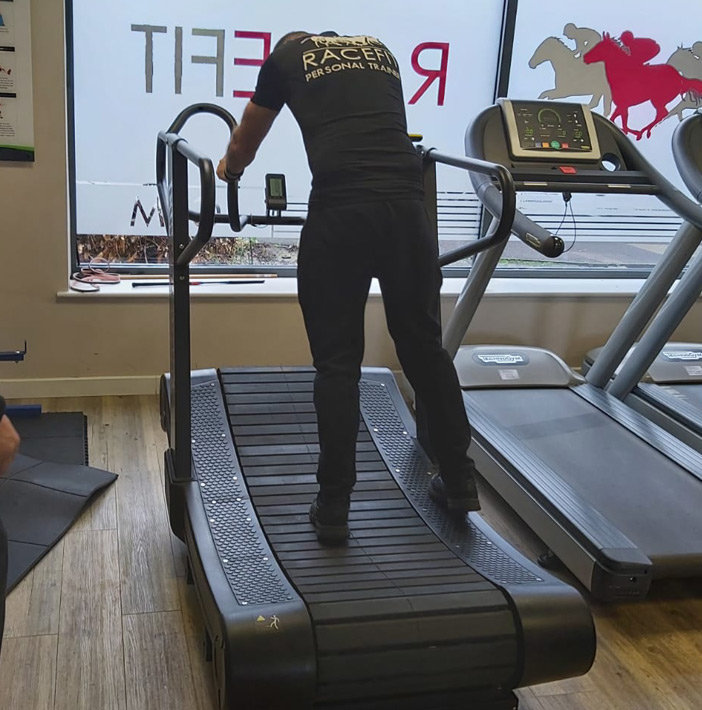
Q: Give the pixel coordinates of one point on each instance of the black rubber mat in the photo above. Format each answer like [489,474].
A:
[54,436]
[47,487]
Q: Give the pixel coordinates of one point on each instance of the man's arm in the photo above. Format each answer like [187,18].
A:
[246,138]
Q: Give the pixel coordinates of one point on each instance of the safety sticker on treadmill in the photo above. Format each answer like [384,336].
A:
[694,370]
[500,359]
[683,355]
[509,374]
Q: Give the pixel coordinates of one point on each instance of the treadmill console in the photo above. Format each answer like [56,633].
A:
[553,130]
[276,194]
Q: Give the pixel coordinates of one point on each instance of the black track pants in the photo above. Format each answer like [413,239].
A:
[341,249]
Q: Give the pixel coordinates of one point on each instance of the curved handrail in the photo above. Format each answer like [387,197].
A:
[172,157]
[170,140]
[180,120]
[500,230]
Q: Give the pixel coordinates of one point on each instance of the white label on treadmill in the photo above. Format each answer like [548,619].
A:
[501,359]
[694,370]
[683,355]
[509,374]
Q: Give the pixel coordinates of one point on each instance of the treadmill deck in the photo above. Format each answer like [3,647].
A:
[416,608]
[597,471]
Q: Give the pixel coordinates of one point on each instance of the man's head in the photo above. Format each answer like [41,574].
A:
[290,36]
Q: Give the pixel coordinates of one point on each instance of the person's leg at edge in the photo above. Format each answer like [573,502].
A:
[3,578]
[410,281]
[332,291]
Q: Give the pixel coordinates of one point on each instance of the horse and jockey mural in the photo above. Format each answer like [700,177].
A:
[619,72]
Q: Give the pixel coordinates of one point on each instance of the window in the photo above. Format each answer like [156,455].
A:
[136,65]
[550,39]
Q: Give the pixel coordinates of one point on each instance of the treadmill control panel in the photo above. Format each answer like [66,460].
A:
[550,130]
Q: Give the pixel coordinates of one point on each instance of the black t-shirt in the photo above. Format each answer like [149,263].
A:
[346,95]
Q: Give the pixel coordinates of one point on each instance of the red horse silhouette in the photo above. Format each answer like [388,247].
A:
[632,82]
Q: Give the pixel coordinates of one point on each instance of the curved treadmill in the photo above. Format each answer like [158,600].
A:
[614,496]
[416,610]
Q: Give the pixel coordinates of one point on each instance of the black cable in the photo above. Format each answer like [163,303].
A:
[568,204]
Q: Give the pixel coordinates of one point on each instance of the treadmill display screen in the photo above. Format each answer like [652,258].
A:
[276,187]
[548,129]
[276,194]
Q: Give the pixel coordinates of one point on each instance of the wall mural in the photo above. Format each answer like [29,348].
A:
[619,72]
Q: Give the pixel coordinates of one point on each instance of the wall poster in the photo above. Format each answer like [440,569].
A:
[16,112]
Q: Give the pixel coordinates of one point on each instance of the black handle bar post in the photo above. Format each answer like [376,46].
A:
[173,155]
[180,429]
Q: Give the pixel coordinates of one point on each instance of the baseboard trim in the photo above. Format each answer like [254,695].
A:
[79,387]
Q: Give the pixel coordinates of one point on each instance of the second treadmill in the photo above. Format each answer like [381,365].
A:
[614,496]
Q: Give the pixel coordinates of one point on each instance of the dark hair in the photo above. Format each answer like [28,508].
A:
[289,37]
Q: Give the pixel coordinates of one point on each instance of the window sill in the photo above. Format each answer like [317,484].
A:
[287,288]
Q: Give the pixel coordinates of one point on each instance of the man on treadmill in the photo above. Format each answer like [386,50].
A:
[366,219]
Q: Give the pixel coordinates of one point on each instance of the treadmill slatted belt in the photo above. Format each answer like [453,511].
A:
[396,590]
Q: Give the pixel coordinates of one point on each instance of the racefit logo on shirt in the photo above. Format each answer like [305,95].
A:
[334,54]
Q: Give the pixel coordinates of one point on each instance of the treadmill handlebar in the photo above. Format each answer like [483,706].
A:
[635,171]
[180,120]
[172,142]
[532,234]
[205,217]
[505,201]
[666,192]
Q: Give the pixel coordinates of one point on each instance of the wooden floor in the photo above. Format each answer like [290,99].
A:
[106,620]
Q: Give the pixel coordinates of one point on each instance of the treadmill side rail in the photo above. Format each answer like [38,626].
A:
[260,629]
[551,614]
[673,407]
[263,655]
[609,564]
[687,457]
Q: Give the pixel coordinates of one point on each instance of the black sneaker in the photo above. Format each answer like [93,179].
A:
[330,521]
[456,502]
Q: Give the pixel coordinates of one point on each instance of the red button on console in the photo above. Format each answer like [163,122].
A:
[567,169]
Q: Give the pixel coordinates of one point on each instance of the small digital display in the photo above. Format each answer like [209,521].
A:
[275,187]
[276,197]
[550,128]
